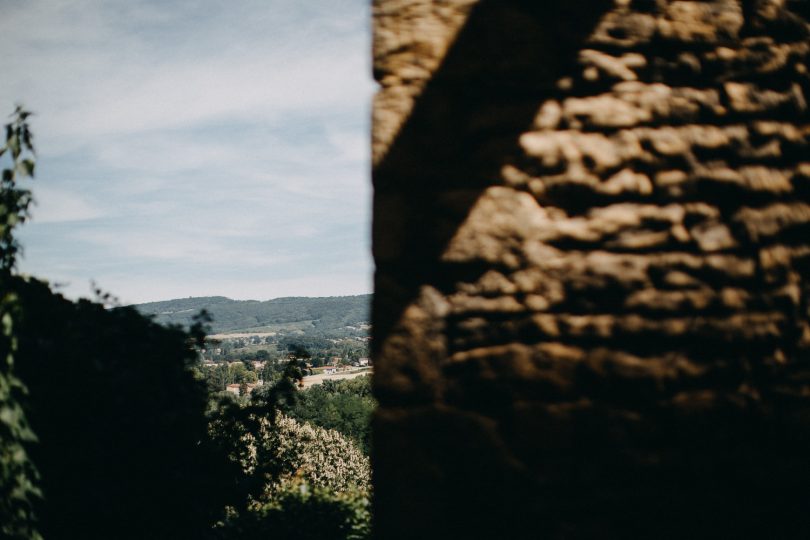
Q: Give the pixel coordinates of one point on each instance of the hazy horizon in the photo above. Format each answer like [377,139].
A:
[249,299]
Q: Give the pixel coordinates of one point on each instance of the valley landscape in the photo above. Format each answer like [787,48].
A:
[250,341]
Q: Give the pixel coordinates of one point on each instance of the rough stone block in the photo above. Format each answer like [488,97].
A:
[701,22]
[591,236]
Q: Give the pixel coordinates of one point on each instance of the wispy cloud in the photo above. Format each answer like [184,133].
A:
[187,142]
[58,206]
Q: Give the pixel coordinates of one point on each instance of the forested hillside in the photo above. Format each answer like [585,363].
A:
[310,315]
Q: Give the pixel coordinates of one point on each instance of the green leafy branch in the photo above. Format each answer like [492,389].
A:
[19,491]
[15,201]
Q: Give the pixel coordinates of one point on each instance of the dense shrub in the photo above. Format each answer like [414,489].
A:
[302,512]
[272,449]
[123,449]
[298,480]
[322,457]
[344,406]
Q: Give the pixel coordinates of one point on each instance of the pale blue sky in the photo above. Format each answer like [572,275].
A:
[194,148]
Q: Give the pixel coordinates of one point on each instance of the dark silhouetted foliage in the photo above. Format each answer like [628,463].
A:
[123,450]
[302,512]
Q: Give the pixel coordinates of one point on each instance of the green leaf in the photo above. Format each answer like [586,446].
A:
[14,145]
[26,167]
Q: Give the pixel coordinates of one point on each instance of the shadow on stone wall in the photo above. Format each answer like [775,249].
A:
[590,315]
[463,129]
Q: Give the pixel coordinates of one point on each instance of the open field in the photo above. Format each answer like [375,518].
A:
[318,379]
[241,335]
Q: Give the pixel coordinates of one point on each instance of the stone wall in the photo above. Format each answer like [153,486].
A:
[592,313]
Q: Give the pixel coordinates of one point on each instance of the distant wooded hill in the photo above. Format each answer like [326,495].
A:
[308,315]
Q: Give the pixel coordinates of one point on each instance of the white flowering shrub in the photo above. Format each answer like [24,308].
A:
[295,480]
[321,457]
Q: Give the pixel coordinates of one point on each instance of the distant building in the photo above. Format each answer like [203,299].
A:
[234,388]
[362,361]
